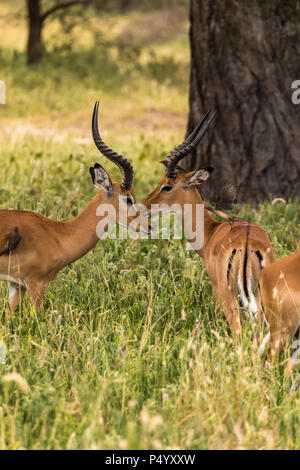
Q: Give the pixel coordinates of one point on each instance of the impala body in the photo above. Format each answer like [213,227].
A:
[46,245]
[280,293]
[233,254]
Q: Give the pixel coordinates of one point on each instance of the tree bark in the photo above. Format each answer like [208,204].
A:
[35,43]
[244,57]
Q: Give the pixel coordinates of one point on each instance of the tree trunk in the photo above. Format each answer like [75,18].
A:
[35,44]
[244,57]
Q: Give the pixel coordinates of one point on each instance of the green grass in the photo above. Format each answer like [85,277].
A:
[129,351]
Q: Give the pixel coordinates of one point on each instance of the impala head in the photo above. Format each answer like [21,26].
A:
[177,185]
[120,195]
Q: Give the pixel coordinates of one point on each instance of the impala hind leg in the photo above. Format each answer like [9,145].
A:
[232,315]
[294,360]
[280,340]
[229,304]
[16,294]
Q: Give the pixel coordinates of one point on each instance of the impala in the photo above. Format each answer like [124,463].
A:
[233,254]
[280,294]
[36,248]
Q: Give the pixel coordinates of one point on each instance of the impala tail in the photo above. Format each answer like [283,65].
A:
[244,269]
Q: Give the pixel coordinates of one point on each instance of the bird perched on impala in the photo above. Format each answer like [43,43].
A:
[224,205]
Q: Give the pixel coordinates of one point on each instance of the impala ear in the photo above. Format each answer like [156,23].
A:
[198,177]
[100,177]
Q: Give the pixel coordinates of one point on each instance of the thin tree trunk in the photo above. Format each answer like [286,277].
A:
[35,43]
[244,57]
[36,21]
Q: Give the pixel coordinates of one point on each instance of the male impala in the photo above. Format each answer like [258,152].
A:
[280,294]
[36,248]
[233,255]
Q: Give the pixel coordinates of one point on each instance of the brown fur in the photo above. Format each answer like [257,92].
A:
[48,245]
[280,293]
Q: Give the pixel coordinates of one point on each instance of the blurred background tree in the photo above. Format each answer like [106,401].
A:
[39,11]
[36,20]
[245,56]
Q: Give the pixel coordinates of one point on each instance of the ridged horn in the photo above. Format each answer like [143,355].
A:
[188,144]
[122,162]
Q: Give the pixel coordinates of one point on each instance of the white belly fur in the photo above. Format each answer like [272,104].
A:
[18,282]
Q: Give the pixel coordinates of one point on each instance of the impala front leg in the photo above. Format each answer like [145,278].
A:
[36,291]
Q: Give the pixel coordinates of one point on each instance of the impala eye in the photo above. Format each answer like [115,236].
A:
[166,188]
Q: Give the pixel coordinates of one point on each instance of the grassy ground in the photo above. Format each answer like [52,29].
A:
[129,351]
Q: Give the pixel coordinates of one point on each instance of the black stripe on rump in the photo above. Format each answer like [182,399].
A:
[230,264]
[245,264]
[260,258]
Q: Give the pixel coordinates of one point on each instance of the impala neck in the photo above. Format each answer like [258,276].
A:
[210,224]
[80,234]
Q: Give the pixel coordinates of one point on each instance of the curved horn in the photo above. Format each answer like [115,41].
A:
[188,145]
[124,165]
